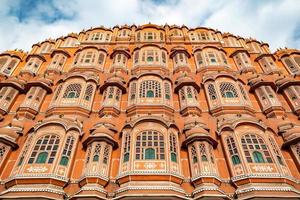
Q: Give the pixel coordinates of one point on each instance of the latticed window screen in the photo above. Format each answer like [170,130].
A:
[67,151]
[255,149]
[3,91]
[288,62]
[118,94]
[132,91]
[182,94]
[106,154]
[88,154]
[173,147]
[58,90]
[126,147]
[111,92]
[150,145]
[211,154]
[3,61]
[3,150]
[25,150]
[228,90]
[203,153]
[101,58]
[163,57]
[150,89]
[189,92]
[199,58]
[136,57]
[232,148]
[72,91]
[276,151]
[212,92]
[243,91]
[298,150]
[96,154]
[167,91]
[45,149]
[297,60]
[194,154]
[88,92]
[10,66]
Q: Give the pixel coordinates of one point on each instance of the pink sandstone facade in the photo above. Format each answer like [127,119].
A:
[150,112]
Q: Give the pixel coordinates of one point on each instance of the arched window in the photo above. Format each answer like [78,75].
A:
[167,91]
[199,58]
[25,150]
[101,58]
[150,89]
[3,150]
[106,154]
[88,154]
[58,90]
[243,92]
[96,153]
[72,91]
[255,149]
[150,145]
[203,153]
[232,148]
[126,147]
[228,90]
[212,92]
[194,154]
[132,91]
[88,92]
[67,151]
[189,92]
[173,147]
[290,64]
[45,149]
[276,151]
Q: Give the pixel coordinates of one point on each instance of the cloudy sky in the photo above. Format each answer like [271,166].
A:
[25,22]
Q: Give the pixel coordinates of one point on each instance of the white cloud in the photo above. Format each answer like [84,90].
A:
[275,22]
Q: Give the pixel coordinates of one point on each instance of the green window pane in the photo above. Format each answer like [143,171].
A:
[126,157]
[173,157]
[258,158]
[64,161]
[149,154]
[96,158]
[150,93]
[42,157]
[235,160]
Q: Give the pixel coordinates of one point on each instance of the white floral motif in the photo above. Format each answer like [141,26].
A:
[262,168]
[150,165]
[37,169]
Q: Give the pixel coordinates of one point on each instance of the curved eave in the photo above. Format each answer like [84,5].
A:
[14,84]
[97,138]
[124,51]
[200,137]
[187,83]
[175,50]
[264,55]
[38,84]
[36,55]
[254,86]
[113,83]
[239,51]
[60,51]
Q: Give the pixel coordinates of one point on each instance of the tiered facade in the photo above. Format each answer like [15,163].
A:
[150,112]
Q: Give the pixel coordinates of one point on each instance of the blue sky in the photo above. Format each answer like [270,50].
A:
[25,22]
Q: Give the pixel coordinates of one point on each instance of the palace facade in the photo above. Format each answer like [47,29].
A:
[150,112]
